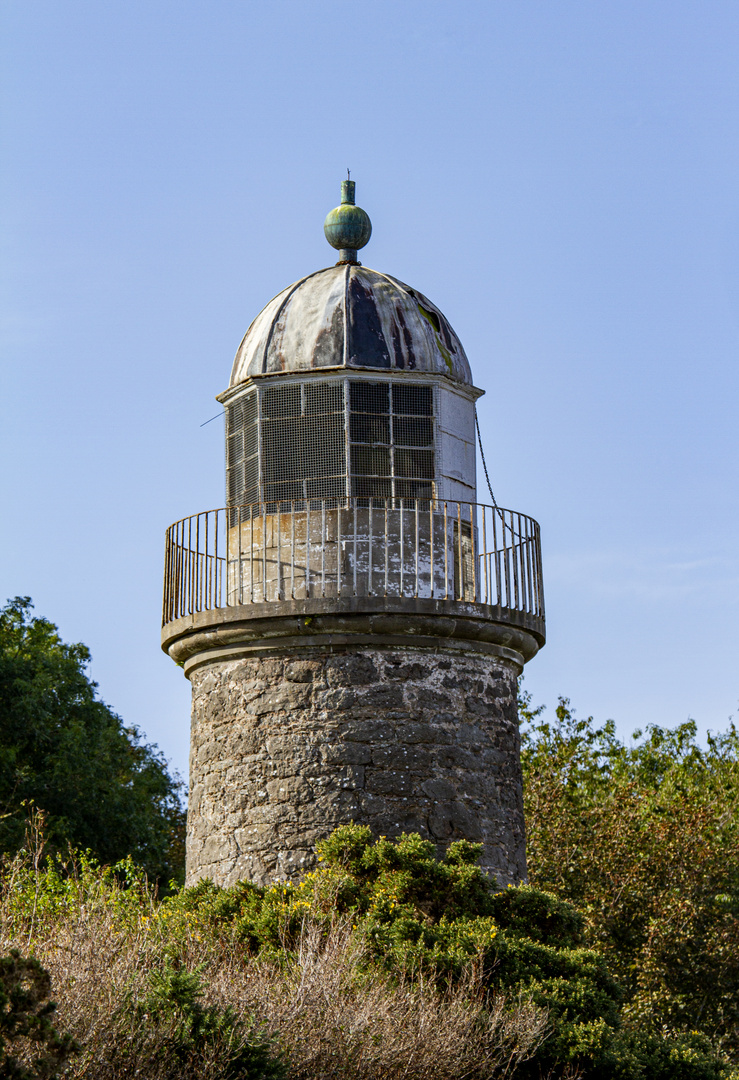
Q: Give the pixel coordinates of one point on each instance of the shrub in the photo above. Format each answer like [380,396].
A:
[198,984]
[186,1030]
[385,962]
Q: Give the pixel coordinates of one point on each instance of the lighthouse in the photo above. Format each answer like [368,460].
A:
[353,621]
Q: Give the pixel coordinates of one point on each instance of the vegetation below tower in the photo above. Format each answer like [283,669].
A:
[383,963]
[620,959]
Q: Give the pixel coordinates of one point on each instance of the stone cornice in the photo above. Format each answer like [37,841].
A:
[352,622]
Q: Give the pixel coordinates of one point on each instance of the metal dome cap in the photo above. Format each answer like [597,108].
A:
[353,317]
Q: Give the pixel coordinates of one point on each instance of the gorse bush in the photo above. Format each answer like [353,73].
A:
[26,1022]
[191,1029]
[542,1001]
[215,983]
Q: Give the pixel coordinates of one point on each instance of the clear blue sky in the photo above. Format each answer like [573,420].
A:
[562,179]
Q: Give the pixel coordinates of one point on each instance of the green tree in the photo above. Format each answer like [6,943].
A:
[643,838]
[65,752]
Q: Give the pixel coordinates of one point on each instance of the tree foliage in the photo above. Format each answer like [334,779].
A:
[64,751]
[643,838]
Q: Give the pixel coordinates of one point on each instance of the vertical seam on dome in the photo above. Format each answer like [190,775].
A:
[346,316]
[280,310]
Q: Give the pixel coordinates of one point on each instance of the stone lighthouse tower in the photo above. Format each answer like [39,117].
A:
[353,621]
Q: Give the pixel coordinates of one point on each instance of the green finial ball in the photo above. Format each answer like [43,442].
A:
[348,227]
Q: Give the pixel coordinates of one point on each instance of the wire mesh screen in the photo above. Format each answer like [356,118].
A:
[242,450]
[391,432]
[303,455]
[287,442]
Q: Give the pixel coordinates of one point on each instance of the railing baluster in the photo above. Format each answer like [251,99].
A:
[486,599]
[237,588]
[417,543]
[217,564]
[338,548]
[185,571]
[292,549]
[178,573]
[251,553]
[307,548]
[183,575]
[459,548]
[387,546]
[279,552]
[473,526]
[189,566]
[511,561]
[432,571]
[323,547]
[208,568]
[541,609]
[369,550]
[516,546]
[198,578]
[264,553]
[402,554]
[354,561]
[446,553]
[529,574]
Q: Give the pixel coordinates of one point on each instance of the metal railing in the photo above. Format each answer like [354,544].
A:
[323,548]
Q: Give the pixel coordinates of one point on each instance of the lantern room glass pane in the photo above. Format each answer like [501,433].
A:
[303,451]
[391,435]
[242,445]
[411,399]
[286,444]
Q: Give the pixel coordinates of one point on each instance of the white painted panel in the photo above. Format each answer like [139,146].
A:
[456,414]
[456,492]
[457,458]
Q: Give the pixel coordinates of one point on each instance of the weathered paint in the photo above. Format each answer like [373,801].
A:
[350,316]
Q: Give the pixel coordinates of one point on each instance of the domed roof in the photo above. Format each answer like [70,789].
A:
[350,316]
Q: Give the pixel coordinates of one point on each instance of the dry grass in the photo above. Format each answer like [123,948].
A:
[336,1022]
[328,1017]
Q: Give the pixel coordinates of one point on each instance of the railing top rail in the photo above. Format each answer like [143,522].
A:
[360,501]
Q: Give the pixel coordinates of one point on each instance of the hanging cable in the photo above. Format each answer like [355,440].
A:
[484,463]
[213,418]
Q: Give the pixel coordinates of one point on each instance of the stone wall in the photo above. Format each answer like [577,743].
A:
[403,740]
